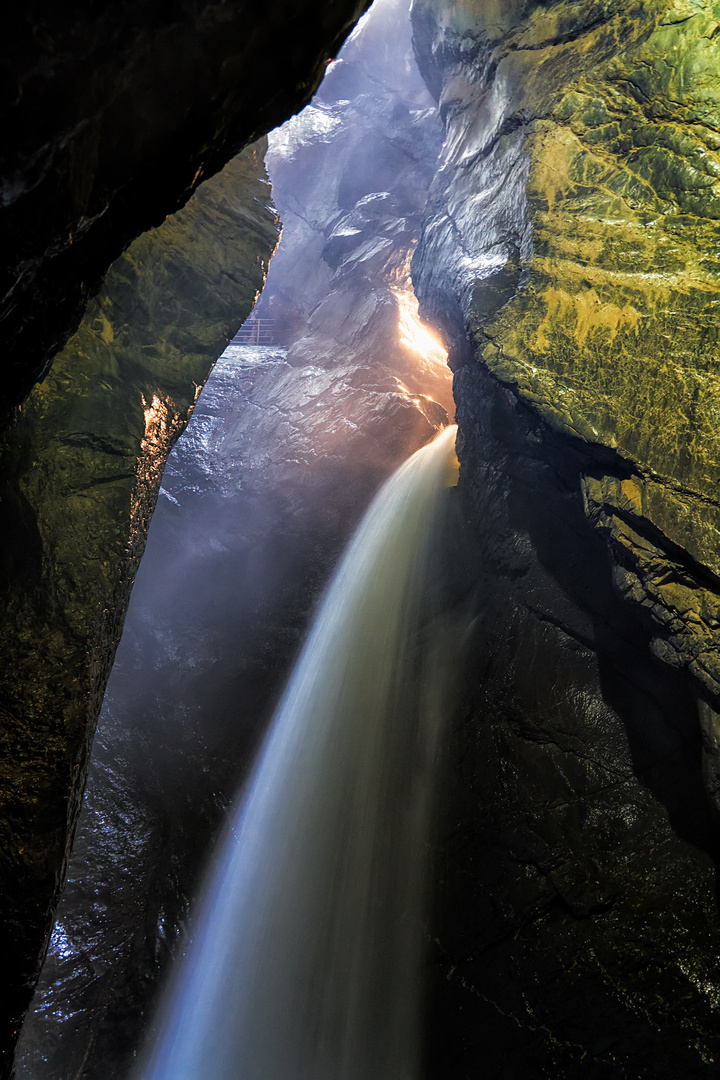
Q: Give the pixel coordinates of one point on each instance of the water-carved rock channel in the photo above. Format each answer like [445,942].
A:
[542,177]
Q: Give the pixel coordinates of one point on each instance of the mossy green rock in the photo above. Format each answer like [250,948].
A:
[582,175]
[570,255]
[82,470]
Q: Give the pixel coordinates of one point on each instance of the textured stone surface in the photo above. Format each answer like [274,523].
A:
[112,116]
[577,929]
[579,199]
[82,469]
[258,499]
[285,449]
[351,175]
[569,255]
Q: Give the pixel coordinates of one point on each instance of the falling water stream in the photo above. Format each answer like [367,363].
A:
[307,954]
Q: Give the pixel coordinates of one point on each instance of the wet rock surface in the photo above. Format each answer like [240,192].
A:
[258,500]
[577,929]
[573,231]
[82,468]
[350,177]
[286,447]
[567,254]
[112,116]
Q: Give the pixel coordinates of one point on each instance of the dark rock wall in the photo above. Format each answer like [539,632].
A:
[285,449]
[112,116]
[568,254]
[577,928]
[82,467]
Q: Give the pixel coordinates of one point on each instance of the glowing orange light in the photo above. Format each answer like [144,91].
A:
[156,423]
[453,471]
[162,426]
[414,334]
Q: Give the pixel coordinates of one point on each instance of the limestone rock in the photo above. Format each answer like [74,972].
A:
[112,116]
[82,468]
[569,255]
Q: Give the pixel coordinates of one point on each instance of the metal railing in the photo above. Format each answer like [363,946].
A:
[255,332]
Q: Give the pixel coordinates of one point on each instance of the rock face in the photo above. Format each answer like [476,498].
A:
[571,236]
[581,179]
[350,176]
[82,468]
[258,500]
[111,119]
[284,451]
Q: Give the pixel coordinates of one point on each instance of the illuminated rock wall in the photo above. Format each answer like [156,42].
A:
[112,116]
[579,198]
[350,176]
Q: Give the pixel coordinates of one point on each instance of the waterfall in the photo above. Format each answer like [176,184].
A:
[307,954]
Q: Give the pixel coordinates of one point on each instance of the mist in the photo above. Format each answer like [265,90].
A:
[287,445]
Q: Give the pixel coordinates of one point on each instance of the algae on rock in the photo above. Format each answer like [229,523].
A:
[580,193]
[82,471]
[570,255]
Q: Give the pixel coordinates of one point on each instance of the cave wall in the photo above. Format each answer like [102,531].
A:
[112,116]
[350,176]
[570,240]
[580,176]
[569,255]
[81,471]
[286,446]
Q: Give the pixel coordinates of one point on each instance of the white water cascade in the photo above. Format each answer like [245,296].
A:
[307,953]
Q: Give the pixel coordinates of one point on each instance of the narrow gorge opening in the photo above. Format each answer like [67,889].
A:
[329,385]
[553,175]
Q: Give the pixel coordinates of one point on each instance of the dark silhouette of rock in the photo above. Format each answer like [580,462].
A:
[82,467]
[285,449]
[112,116]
